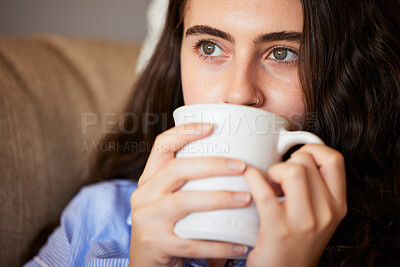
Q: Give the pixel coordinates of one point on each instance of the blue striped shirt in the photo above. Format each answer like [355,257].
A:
[95,230]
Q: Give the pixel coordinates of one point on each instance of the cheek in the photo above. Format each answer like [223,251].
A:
[193,87]
[284,96]
[198,84]
[294,110]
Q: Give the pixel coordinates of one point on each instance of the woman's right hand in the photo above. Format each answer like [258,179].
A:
[157,204]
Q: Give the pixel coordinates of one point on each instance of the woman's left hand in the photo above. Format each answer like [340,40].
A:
[296,231]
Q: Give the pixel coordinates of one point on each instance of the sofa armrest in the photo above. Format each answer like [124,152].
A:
[49,86]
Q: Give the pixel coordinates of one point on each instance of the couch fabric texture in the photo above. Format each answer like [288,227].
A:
[51,90]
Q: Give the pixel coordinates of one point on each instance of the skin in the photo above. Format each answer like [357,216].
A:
[292,233]
[239,71]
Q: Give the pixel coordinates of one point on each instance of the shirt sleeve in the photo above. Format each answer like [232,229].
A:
[84,237]
[107,262]
[55,253]
[57,250]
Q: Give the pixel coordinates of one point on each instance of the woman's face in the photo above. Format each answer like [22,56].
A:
[234,51]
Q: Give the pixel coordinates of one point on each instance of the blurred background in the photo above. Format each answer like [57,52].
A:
[83,62]
[113,19]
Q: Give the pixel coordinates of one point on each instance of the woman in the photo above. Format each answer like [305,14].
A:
[329,67]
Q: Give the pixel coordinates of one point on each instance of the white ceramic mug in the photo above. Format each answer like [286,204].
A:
[259,138]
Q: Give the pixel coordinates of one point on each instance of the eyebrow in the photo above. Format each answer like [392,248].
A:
[202,29]
[263,38]
[278,36]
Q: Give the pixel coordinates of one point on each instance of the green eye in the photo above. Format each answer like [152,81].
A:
[208,48]
[280,53]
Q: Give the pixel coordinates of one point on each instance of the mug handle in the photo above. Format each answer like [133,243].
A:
[288,139]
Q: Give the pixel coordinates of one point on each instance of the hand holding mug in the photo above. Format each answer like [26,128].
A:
[257,137]
[295,232]
[157,204]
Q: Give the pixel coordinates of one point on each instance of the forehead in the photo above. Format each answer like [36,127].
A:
[245,16]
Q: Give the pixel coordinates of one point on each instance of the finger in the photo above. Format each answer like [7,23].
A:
[293,179]
[318,187]
[178,205]
[332,168]
[178,171]
[169,142]
[189,248]
[321,198]
[263,194]
[204,249]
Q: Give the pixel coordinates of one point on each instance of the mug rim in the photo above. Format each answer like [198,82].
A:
[234,106]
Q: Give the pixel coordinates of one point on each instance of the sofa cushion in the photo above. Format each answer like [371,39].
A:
[52,89]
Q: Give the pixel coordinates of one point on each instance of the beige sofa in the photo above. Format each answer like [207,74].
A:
[52,89]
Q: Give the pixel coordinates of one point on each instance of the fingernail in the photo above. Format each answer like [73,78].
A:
[203,128]
[242,197]
[240,250]
[237,165]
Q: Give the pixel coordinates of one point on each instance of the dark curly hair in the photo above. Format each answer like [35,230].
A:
[350,75]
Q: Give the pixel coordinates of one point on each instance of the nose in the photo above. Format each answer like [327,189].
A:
[240,84]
